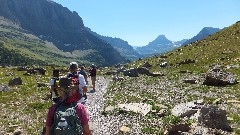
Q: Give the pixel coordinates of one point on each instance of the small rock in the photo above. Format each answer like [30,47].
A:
[124,129]
[18,131]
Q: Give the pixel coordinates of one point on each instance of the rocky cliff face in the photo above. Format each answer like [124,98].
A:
[55,23]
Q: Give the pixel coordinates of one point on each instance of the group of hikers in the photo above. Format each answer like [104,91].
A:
[67,115]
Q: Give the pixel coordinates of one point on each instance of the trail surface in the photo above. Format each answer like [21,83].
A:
[109,124]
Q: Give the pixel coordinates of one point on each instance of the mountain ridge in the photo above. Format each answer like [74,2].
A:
[159,46]
[120,45]
[57,24]
[205,32]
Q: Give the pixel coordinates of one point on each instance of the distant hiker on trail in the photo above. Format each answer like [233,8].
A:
[54,86]
[93,73]
[67,117]
[82,72]
[78,80]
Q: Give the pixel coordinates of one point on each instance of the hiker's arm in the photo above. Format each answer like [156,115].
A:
[51,88]
[86,130]
[47,130]
[49,120]
[82,83]
[51,82]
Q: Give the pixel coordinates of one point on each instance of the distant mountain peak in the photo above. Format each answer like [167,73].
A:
[161,39]
[205,32]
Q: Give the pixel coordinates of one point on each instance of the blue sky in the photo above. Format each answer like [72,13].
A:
[141,21]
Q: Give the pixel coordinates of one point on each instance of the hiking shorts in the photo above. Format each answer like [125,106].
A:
[93,78]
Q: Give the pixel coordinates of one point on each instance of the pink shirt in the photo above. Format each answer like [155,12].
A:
[81,112]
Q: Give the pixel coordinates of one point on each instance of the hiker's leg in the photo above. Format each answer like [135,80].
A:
[93,81]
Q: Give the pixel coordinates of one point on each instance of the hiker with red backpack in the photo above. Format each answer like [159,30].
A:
[78,80]
[67,117]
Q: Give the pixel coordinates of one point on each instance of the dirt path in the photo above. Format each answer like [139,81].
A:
[106,125]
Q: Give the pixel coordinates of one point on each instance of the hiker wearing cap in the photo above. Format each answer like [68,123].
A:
[78,80]
[93,73]
[67,117]
[82,72]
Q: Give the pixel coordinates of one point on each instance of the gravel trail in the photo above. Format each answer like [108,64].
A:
[106,125]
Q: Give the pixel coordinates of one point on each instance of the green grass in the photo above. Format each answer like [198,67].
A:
[221,48]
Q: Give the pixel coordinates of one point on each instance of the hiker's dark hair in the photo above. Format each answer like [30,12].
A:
[55,71]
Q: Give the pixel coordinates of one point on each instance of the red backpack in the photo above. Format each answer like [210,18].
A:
[75,95]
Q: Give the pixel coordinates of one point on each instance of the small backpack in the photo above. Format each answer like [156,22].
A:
[66,121]
[56,83]
[76,94]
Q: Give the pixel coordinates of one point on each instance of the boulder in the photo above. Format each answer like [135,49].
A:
[141,108]
[131,72]
[15,81]
[218,77]
[143,70]
[214,117]
[186,109]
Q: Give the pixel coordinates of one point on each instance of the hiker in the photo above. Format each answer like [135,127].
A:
[82,72]
[78,80]
[93,73]
[67,117]
[54,86]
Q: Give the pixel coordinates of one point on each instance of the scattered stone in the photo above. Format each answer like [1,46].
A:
[18,131]
[9,74]
[162,113]
[218,77]
[155,74]
[4,88]
[164,64]
[147,65]
[191,81]
[233,101]
[218,101]
[214,117]
[185,109]
[124,129]
[185,71]
[15,81]
[41,84]
[177,129]
[39,71]
[131,72]
[141,108]
[109,108]
[143,70]
[22,68]
[111,73]
[186,61]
